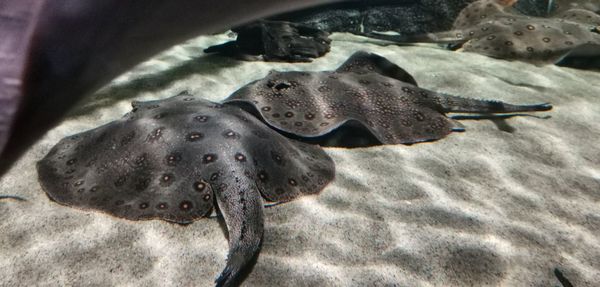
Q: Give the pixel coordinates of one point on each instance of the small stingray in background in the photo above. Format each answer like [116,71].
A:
[564,5]
[493,28]
[275,41]
[368,91]
[173,159]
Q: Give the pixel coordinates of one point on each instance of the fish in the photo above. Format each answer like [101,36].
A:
[368,91]
[55,52]
[275,41]
[494,29]
[564,5]
[179,158]
[13,197]
[302,35]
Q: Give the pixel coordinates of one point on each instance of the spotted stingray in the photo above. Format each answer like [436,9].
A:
[493,28]
[173,159]
[367,90]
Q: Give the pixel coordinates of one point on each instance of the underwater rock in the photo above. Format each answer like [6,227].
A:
[367,89]
[174,159]
[492,28]
[275,41]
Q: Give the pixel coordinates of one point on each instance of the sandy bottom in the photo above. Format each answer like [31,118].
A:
[504,203]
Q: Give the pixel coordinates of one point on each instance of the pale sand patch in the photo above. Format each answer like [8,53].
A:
[485,207]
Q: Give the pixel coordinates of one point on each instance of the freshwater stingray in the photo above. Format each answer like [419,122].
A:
[493,28]
[173,159]
[367,89]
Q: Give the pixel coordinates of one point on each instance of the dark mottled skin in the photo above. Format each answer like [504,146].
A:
[369,89]
[54,52]
[173,159]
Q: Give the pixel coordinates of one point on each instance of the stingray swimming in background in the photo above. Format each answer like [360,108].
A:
[175,159]
[366,91]
[493,28]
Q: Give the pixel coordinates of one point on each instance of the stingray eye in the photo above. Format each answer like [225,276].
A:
[282,86]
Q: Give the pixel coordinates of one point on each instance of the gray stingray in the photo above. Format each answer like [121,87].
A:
[493,28]
[367,89]
[54,52]
[173,159]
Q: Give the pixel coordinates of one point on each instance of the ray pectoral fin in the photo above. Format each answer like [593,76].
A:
[242,210]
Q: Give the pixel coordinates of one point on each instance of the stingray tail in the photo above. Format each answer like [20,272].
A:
[454,104]
[14,197]
[447,37]
[242,210]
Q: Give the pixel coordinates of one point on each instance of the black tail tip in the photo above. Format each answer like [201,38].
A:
[561,277]
[542,107]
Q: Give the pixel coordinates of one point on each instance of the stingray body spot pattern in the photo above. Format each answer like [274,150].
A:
[538,40]
[396,111]
[493,28]
[176,168]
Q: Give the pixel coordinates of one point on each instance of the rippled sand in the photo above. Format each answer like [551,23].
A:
[504,203]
